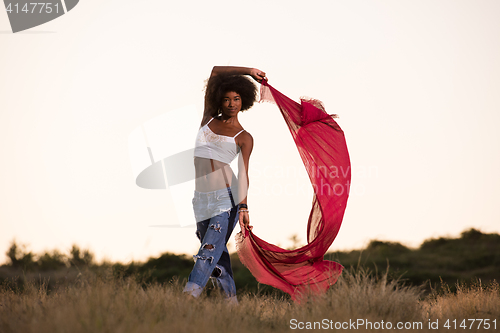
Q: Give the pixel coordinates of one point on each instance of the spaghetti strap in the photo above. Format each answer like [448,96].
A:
[238,133]
[210,121]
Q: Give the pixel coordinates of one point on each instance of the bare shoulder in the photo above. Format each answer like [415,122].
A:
[246,136]
[245,139]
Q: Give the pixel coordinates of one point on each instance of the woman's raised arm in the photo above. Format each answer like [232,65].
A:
[255,73]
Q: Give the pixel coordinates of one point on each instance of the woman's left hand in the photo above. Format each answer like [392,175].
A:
[244,221]
[258,75]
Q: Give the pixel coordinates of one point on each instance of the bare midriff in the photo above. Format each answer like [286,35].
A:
[208,180]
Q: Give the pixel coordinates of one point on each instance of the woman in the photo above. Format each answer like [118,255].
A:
[220,201]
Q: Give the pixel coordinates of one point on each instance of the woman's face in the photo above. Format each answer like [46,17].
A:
[231,104]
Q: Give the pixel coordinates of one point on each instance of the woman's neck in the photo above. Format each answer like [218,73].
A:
[229,120]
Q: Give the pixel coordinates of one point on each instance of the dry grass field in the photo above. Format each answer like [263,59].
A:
[358,301]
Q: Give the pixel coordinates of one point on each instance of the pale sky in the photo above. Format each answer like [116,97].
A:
[414,84]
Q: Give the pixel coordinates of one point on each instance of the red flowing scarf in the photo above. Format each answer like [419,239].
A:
[323,149]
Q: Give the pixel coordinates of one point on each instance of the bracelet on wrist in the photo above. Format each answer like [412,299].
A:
[241,211]
[243,205]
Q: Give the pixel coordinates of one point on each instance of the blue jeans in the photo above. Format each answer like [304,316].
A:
[217,218]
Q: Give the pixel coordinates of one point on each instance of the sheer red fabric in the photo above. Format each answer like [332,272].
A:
[323,150]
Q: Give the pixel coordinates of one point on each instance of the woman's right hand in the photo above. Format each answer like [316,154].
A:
[258,75]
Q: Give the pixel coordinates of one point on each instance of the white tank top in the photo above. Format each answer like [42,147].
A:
[214,146]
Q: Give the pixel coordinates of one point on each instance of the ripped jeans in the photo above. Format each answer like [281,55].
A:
[216,218]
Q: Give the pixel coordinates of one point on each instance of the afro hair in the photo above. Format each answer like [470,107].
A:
[219,85]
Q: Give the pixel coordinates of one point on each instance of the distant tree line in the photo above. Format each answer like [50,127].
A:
[474,255]
[52,260]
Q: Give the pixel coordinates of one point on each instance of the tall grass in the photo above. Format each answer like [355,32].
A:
[104,303]
[474,301]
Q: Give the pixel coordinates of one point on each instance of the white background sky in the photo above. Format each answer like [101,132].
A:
[415,84]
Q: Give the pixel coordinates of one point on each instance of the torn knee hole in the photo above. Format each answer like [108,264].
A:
[217,272]
[216,227]
[208,246]
[196,257]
